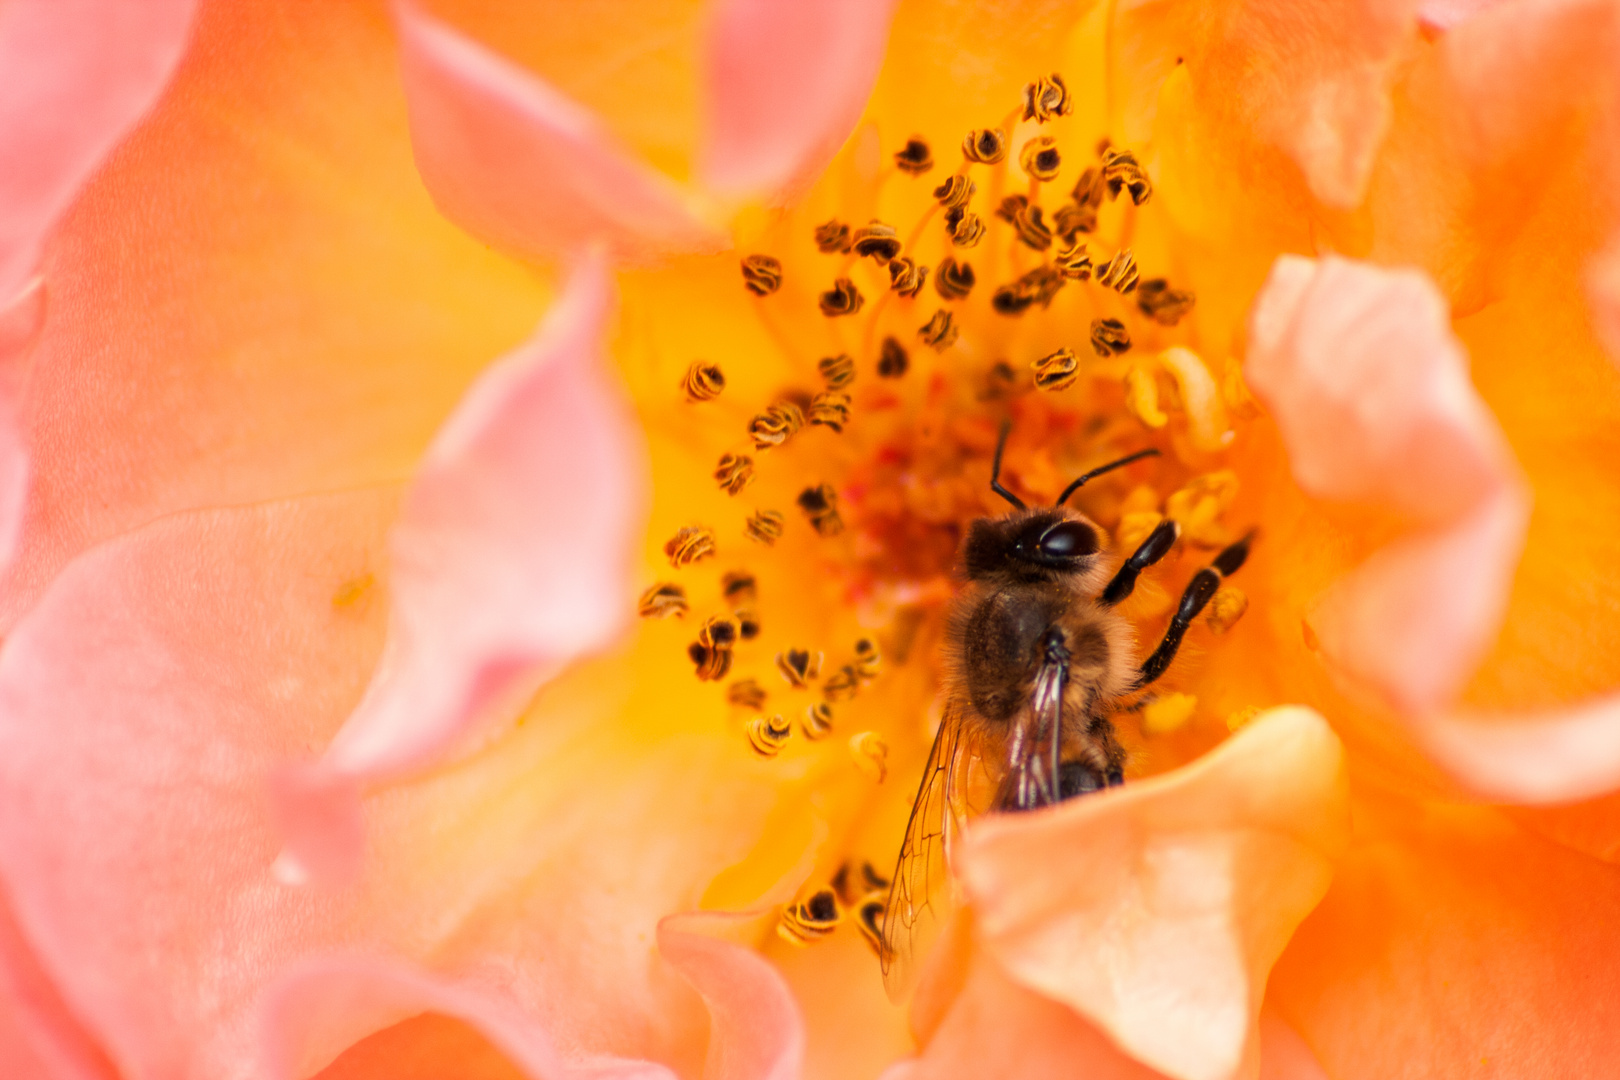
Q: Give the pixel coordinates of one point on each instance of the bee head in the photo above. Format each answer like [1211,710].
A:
[1040,544]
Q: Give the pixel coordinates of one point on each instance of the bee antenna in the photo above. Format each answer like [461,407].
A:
[995,469]
[1094,473]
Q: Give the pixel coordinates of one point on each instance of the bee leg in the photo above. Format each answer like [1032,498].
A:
[1193,599]
[1150,551]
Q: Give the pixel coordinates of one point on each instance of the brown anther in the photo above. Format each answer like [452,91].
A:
[820,505]
[1074,262]
[1010,207]
[984,146]
[954,280]
[999,381]
[1038,286]
[1046,98]
[817,722]
[747,624]
[869,916]
[746,693]
[838,371]
[866,659]
[1040,159]
[871,754]
[914,158]
[1057,371]
[717,632]
[766,737]
[892,359]
[800,667]
[689,546]
[1109,337]
[842,684]
[664,600]
[1032,229]
[830,409]
[938,333]
[764,527]
[832,237]
[1088,190]
[906,277]
[703,382]
[1121,172]
[955,192]
[842,299]
[762,275]
[878,241]
[739,589]
[776,425]
[711,663]
[965,229]
[810,921]
[1161,303]
[735,472]
[1118,273]
[1072,219]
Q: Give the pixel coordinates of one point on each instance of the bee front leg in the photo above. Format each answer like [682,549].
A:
[1150,551]
[1193,599]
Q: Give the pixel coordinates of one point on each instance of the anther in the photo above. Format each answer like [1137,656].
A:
[842,299]
[717,632]
[1161,303]
[1072,219]
[1031,228]
[1199,505]
[690,545]
[663,601]
[1226,607]
[892,359]
[1010,207]
[879,241]
[1109,337]
[871,754]
[817,722]
[1046,98]
[1118,273]
[747,624]
[914,158]
[711,663]
[838,371]
[762,275]
[842,684]
[764,527]
[739,589]
[703,382]
[939,332]
[965,229]
[906,277]
[766,737]
[869,915]
[1040,159]
[830,409]
[1088,190]
[810,921]
[866,659]
[1057,371]
[800,667]
[735,472]
[832,237]
[1038,286]
[820,505]
[984,146]
[955,192]
[746,693]
[776,425]
[1121,172]
[954,280]
[1074,262]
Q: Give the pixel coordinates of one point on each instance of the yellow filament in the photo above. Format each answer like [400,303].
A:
[1142,395]
[1206,412]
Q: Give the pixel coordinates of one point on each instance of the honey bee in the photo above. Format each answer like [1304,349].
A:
[1036,661]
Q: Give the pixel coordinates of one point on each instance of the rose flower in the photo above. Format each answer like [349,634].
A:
[482,489]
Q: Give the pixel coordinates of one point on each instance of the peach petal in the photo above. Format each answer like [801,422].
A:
[1370,392]
[1438,16]
[74,77]
[788,79]
[38,1028]
[324,1005]
[518,165]
[1603,291]
[510,559]
[1553,756]
[756,1032]
[20,324]
[1157,911]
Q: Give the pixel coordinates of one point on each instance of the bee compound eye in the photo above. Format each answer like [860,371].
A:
[1069,540]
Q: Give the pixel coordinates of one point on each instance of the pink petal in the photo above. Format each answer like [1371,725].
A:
[1553,756]
[20,324]
[510,559]
[520,166]
[756,1031]
[1157,911]
[38,1026]
[788,79]
[75,75]
[1438,16]
[1370,392]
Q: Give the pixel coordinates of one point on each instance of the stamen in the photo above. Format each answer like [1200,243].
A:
[1226,607]
[820,505]
[938,333]
[866,659]
[767,737]
[776,425]
[747,624]
[1199,505]
[1010,207]
[871,754]
[764,527]
[879,241]
[955,192]
[1109,337]
[915,158]
[1161,303]
[762,275]
[1118,273]
[1167,713]
[703,382]
[800,667]
[1047,98]
[830,409]
[1200,398]
[1057,371]
[985,146]
[1072,219]
[746,693]
[810,921]
[965,229]
[1031,229]
[892,359]
[1074,262]
[906,277]
[1121,171]
[1040,159]
[711,652]
[838,371]
[999,381]
[1040,285]
[842,684]
[842,299]
[735,472]
[869,919]
[832,238]
[690,545]
[1142,395]
[1088,190]
[954,280]
[663,601]
[739,589]
[817,722]
[1242,717]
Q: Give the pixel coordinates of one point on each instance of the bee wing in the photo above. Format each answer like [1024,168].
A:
[1036,741]
[911,919]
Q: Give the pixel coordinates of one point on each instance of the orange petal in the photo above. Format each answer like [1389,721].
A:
[520,166]
[1156,911]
